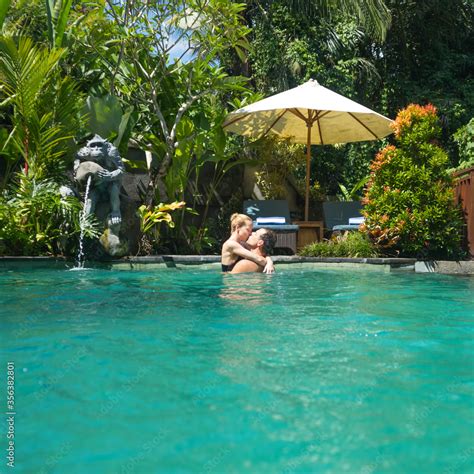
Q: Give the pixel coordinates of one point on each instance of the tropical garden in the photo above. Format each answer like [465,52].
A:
[162,76]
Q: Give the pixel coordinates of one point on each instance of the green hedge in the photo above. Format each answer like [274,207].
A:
[352,244]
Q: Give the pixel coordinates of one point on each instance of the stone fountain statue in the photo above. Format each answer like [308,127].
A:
[101,161]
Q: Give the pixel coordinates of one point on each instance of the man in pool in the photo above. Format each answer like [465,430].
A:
[261,242]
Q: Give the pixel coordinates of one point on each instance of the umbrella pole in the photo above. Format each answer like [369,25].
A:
[308,169]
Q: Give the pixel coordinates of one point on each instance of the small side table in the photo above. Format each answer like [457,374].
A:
[309,232]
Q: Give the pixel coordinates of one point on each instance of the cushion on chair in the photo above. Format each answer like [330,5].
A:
[346,227]
[356,220]
[269,208]
[338,213]
[269,214]
[277,227]
[270,220]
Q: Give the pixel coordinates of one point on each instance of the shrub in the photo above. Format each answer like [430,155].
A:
[464,137]
[409,206]
[352,244]
[36,220]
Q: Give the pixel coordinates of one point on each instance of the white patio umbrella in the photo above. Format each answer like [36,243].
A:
[309,114]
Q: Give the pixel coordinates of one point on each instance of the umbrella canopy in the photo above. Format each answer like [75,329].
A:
[309,114]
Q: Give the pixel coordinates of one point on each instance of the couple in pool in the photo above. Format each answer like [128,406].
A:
[245,250]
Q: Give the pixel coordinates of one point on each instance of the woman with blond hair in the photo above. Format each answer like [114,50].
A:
[235,249]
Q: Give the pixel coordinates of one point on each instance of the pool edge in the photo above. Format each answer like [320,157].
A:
[212,262]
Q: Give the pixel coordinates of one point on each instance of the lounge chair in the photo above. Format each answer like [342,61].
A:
[274,215]
[342,216]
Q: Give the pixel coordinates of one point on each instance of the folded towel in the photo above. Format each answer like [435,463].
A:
[356,220]
[270,220]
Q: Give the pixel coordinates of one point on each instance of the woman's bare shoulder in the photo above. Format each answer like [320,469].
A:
[230,244]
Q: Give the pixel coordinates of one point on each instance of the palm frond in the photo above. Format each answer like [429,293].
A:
[24,71]
[45,107]
[373,15]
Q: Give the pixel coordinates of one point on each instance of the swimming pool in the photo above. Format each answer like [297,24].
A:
[195,371]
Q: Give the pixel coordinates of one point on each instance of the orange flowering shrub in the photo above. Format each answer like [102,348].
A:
[423,116]
[408,203]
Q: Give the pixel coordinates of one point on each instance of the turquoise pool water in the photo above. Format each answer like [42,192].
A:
[194,371]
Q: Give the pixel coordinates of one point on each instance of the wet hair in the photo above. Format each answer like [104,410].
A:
[269,240]
[239,220]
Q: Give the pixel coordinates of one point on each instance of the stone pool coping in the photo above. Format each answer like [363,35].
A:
[283,262]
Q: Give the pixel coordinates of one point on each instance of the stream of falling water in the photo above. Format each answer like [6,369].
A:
[80,253]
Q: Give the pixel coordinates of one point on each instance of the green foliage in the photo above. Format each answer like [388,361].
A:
[103,115]
[428,56]
[44,106]
[128,60]
[198,241]
[166,68]
[277,160]
[4,5]
[150,224]
[371,15]
[58,13]
[350,244]
[36,220]
[409,205]
[8,155]
[93,44]
[26,18]
[289,47]
[203,151]
[464,138]
[354,193]
[106,118]
[171,70]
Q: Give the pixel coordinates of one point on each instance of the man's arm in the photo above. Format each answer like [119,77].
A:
[237,249]
[265,262]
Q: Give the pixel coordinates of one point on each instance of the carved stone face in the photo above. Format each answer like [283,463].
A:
[96,149]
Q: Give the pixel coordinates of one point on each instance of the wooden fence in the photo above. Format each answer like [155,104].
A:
[464,192]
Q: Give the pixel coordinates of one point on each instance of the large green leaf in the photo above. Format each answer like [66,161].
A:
[104,116]
[58,13]
[129,119]
[51,20]
[219,141]
[61,22]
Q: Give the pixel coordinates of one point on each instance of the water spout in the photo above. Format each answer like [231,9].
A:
[82,220]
